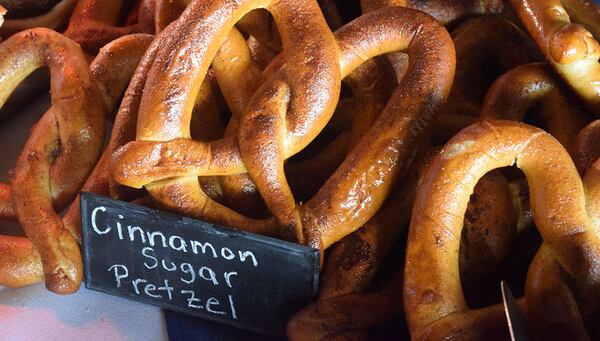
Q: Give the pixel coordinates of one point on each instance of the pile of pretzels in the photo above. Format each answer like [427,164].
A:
[429,149]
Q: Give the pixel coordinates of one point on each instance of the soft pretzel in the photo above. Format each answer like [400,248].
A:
[168,162]
[432,290]
[94,23]
[22,264]
[338,208]
[569,47]
[238,78]
[54,19]
[513,93]
[67,140]
[304,101]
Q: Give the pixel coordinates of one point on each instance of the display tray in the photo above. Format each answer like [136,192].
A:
[33,313]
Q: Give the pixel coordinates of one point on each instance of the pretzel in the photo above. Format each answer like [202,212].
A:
[54,19]
[67,140]
[282,10]
[516,91]
[568,47]
[93,23]
[148,170]
[432,289]
[22,264]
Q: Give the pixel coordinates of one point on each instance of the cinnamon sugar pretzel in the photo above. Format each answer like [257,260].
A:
[31,14]
[168,162]
[563,211]
[52,241]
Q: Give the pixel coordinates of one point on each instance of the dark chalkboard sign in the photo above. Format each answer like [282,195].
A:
[194,267]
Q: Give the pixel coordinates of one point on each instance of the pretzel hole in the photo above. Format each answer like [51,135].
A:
[493,246]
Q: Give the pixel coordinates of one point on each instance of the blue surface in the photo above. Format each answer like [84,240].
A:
[183,328]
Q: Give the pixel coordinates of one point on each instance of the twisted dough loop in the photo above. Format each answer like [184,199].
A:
[69,136]
[569,48]
[21,264]
[432,288]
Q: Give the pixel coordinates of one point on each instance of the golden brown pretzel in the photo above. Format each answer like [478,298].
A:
[54,19]
[340,206]
[305,101]
[568,47]
[94,22]
[513,93]
[133,167]
[21,264]
[68,138]
[433,296]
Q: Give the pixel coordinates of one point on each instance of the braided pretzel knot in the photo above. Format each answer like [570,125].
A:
[392,137]
[433,296]
[56,18]
[313,94]
[569,48]
[62,149]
